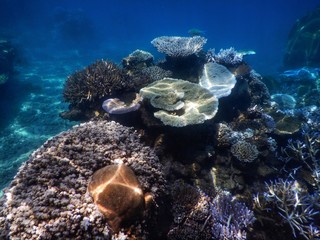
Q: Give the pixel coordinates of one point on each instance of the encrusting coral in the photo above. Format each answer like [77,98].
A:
[48,198]
[181,103]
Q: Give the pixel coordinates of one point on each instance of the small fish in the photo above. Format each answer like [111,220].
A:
[195,32]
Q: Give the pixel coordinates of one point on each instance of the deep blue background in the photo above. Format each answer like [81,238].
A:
[113,29]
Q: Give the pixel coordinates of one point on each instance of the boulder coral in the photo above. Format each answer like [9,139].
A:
[48,198]
[181,103]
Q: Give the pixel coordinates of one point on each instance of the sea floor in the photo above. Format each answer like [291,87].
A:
[36,117]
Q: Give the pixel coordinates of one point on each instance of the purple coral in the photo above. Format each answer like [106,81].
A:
[230,217]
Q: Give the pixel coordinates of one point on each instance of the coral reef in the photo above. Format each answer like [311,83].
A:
[49,199]
[181,103]
[179,46]
[217,79]
[197,216]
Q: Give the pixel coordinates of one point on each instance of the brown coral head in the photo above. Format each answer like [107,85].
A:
[116,191]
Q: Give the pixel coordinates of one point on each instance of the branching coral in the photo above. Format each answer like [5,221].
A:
[293,204]
[156,73]
[96,81]
[231,218]
[179,46]
[307,153]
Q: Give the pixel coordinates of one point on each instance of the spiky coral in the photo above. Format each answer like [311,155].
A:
[99,79]
[293,204]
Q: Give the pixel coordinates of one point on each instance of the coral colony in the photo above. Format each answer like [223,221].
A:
[192,146]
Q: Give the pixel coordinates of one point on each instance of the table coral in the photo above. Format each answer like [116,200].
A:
[181,103]
[174,46]
[48,198]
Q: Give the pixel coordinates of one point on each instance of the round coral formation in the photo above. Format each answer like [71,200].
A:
[244,151]
[117,192]
[48,198]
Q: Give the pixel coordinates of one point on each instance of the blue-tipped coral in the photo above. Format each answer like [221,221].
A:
[230,217]
[293,204]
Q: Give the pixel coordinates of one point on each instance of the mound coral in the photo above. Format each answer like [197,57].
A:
[218,79]
[48,198]
[179,46]
[96,81]
[138,59]
[181,103]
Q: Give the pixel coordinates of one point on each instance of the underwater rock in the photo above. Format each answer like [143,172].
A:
[181,103]
[217,79]
[174,46]
[284,101]
[303,42]
[48,197]
[117,193]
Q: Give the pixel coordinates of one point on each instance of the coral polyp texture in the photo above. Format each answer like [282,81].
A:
[48,198]
[174,46]
[217,79]
[96,81]
[245,151]
[117,193]
[181,103]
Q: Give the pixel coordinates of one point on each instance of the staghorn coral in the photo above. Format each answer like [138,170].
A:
[293,204]
[96,81]
[244,151]
[48,198]
[191,213]
[181,103]
[230,217]
[217,79]
[197,216]
[179,46]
